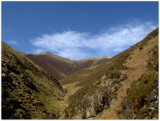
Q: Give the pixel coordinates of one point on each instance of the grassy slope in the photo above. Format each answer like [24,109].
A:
[137,64]
[53,64]
[144,81]
[27,90]
[119,68]
[60,67]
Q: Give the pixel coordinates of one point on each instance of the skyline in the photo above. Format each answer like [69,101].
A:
[77,30]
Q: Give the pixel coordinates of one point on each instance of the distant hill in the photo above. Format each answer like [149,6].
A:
[60,67]
[28,92]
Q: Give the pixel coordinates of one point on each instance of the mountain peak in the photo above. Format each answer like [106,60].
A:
[45,53]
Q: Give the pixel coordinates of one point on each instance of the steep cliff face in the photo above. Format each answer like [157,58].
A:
[27,91]
[125,87]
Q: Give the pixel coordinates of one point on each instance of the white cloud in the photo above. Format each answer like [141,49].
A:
[79,45]
[37,51]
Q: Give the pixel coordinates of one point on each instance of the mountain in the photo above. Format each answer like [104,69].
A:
[122,87]
[28,92]
[60,67]
[125,87]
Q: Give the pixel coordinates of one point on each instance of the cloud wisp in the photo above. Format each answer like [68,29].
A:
[12,42]
[79,45]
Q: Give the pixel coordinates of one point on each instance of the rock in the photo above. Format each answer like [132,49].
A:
[133,116]
[106,81]
[100,100]
[90,112]
[103,80]
[112,102]
[110,81]
[97,103]
[154,101]
[90,118]
[113,89]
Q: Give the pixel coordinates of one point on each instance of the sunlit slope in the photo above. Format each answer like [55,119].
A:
[125,87]
[28,92]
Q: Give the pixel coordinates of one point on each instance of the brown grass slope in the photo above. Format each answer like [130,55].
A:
[28,92]
[60,67]
[135,71]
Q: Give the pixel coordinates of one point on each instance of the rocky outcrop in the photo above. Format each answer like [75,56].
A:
[100,100]
[143,106]
[110,83]
[153,102]
[106,81]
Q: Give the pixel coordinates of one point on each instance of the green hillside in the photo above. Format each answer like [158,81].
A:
[28,92]
[126,87]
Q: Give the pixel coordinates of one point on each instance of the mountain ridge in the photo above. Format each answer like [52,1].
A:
[55,64]
[54,55]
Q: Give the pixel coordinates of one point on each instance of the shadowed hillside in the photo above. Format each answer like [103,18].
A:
[126,87]
[60,67]
[28,92]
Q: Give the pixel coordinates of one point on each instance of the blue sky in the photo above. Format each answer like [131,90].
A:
[77,30]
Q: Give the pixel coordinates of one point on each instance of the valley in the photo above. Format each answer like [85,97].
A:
[47,86]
